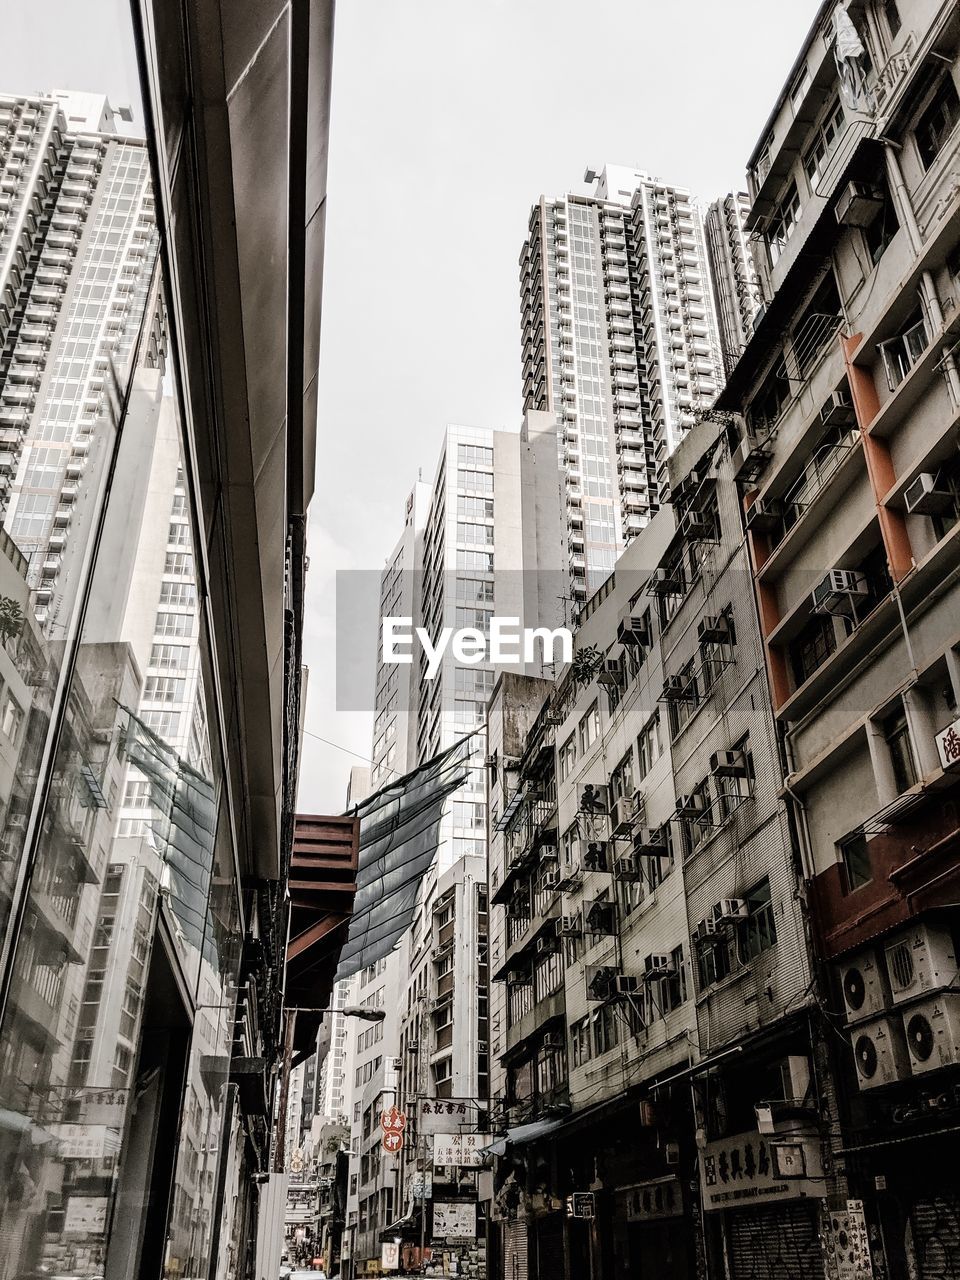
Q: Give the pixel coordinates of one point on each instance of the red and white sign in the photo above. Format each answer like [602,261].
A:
[393,1120]
[393,1141]
[948,745]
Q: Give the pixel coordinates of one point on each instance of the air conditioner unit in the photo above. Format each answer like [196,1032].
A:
[610,673]
[595,798]
[626,984]
[552,1040]
[698,527]
[667,582]
[713,630]
[599,981]
[571,926]
[765,515]
[691,806]
[838,411]
[750,457]
[627,869]
[932,1030]
[858,204]
[594,855]
[515,979]
[548,852]
[704,932]
[677,689]
[633,631]
[729,764]
[919,960]
[658,965]
[838,590]
[880,1052]
[651,842]
[599,917]
[923,496]
[623,817]
[730,911]
[549,878]
[864,986]
[547,940]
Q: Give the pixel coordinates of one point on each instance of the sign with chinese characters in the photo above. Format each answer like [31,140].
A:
[392,1141]
[393,1120]
[462,1149]
[86,1215]
[581,1205]
[658,1198]
[390,1256]
[849,1242]
[86,1141]
[421,1185]
[440,1115]
[454,1220]
[752,1166]
[948,745]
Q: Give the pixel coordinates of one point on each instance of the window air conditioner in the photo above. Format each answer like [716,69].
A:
[924,497]
[838,590]
[838,411]
[730,911]
[858,204]
[728,764]
[627,870]
[651,842]
[623,817]
[633,631]
[626,984]
[571,926]
[713,630]
[764,515]
[658,965]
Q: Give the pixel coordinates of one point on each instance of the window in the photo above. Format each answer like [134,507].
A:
[478,561]
[581,1047]
[812,647]
[713,962]
[621,780]
[798,90]
[475,535]
[827,134]
[11,717]
[901,353]
[896,733]
[475,455]
[682,708]
[783,223]
[649,746]
[855,860]
[884,225]
[892,15]
[758,931]
[567,757]
[606,1030]
[477,481]
[589,729]
[937,121]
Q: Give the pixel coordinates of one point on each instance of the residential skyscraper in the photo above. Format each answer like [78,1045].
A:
[620,343]
[77,247]
[736,288]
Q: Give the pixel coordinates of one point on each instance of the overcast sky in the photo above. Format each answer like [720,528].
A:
[450,117]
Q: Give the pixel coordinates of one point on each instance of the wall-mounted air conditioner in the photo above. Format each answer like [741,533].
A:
[651,842]
[932,1030]
[864,986]
[765,515]
[626,984]
[838,411]
[729,911]
[627,870]
[571,926]
[858,204]
[880,1052]
[623,816]
[713,630]
[658,965]
[633,631]
[729,764]
[919,960]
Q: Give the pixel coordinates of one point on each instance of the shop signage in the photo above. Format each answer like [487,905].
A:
[392,1141]
[390,1256]
[948,745]
[454,1220]
[422,1185]
[581,1205]
[86,1215]
[440,1115]
[753,1166]
[393,1120]
[86,1141]
[849,1242]
[462,1149]
[658,1198]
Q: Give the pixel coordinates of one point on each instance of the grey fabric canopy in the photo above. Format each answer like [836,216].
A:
[399,837]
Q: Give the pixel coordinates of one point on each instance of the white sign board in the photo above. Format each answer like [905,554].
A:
[850,1239]
[421,1185]
[442,1115]
[751,1167]
[463,1149]
[454,1220]
[86,1215]
[390,1256]
[86,1141]
[948,745]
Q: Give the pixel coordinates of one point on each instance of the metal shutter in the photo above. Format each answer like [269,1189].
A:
[775,1243]
[935,1225]
[550,1247]
[515,1250]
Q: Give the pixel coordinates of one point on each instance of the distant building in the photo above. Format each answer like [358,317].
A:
[620,343]
[736,289]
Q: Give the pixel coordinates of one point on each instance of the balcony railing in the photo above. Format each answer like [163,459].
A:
[821,466]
